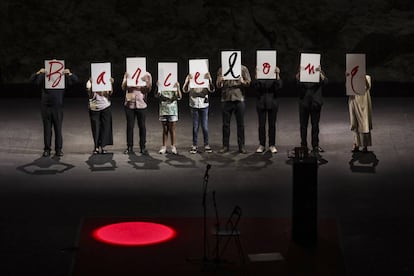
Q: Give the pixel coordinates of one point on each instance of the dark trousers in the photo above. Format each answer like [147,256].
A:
[52,116]
[271,115]
[140,115]
[314,112]
[238,108]
[101,125]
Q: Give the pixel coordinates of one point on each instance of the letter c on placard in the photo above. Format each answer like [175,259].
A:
[166,83]
[197,75]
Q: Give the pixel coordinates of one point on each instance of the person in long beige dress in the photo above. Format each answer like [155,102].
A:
[360,112]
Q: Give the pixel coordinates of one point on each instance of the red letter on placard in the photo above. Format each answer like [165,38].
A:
[266,68]
[197,75]
[354,71]
[136,75]
[166,84]
[55,72]
[100,79]
[311,69]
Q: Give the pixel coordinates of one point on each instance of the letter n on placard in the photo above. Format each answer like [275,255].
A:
[231,65]
[266,64]
[198,69]
[355,74]
[54,77]
[167,75]
[136,67]
[308,65]
[101,77]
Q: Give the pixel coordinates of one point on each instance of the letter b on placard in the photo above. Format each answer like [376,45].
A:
[54,77]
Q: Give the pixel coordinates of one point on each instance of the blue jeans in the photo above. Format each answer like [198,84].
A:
[200,115]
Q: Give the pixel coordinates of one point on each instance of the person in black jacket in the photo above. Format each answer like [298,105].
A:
[267,105]
[310,105]
[52,109]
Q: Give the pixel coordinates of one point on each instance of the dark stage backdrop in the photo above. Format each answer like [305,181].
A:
[81,32]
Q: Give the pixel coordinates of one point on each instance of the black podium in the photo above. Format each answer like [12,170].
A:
[304,201]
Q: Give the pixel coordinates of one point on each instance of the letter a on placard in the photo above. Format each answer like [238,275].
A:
[101,77]
[54,77]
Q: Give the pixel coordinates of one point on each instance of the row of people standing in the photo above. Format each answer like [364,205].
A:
[232,102]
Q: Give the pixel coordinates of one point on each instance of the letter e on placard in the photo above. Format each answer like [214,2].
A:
[198,68]
[54,77]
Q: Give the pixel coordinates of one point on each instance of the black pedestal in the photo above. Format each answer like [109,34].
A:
[304,209]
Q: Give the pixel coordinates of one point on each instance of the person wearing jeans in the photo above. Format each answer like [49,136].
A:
[199,105]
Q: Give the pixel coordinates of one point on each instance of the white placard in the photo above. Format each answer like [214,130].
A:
[167,75]
[231,65]
[266,64]
[198,68]
[136,68]
[308,65]
[54,77]
[355,74]
[101,77]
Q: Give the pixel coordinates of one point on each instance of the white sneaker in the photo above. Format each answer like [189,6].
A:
[193,149]
[260,149]
[163,150]
[173,149]
[273,149]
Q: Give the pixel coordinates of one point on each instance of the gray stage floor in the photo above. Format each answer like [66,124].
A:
[43,201]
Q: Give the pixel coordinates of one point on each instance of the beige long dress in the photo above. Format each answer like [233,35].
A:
[360,112]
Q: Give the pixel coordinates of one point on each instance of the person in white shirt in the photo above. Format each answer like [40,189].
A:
[199,104]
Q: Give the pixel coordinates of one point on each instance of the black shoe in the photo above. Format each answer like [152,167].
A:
[103,151]
[46,153]
[129,150]
[95,151]
[355,148]
[144,151]
[224,149]
[317,149]
[242,150]
[59,153]
[364,149]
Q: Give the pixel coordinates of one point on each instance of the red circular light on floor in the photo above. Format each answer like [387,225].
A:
[134,233]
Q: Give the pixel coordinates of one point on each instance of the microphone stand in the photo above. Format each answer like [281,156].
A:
[204,203]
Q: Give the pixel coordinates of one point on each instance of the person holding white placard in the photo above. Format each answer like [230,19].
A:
[135,106]
[310,105]
[168,115]
[199,104]
[52,109]
[267,105]
[360,113]
[100,115]
[232,98]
